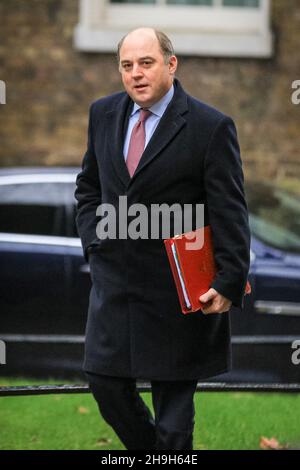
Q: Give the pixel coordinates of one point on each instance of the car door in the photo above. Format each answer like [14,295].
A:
[265,332]
[32,271]
[33,268]
[79,281]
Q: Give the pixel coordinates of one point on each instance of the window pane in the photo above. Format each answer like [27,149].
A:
[29,219]
[274,216]
[133,1]
[190,2]
[170,2]
[36,209]
[241,3]
[71,208]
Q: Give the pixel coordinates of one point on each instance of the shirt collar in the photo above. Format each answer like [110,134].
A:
[160,106]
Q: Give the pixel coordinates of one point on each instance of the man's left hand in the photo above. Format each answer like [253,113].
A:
[216,303]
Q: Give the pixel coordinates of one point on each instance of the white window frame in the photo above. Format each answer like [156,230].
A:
[194,29]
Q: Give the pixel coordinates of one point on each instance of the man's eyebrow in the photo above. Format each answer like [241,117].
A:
[147,57]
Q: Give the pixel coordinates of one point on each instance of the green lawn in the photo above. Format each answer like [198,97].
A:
[223,421]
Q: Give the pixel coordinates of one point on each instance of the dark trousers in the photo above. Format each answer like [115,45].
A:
[124,410]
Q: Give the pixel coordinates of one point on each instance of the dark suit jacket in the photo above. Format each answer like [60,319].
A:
[135,327]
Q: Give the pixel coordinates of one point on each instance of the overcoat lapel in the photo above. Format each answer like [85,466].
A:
[117,121]
[170,124]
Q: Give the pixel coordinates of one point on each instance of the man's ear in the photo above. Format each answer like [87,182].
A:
[173,62]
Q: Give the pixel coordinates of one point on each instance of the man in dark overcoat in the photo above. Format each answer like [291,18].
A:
[155,144]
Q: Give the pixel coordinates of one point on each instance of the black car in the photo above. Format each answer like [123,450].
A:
[45,281]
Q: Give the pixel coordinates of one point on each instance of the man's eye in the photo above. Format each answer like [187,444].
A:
[147,62]
[126,66]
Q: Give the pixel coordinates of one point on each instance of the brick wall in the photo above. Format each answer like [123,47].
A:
[50,85]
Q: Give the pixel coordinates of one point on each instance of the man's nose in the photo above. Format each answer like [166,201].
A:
[136,71]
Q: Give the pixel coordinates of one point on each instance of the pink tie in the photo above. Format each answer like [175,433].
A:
[137,142]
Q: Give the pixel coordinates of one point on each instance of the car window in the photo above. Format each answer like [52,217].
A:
[274,216]
[33,208]
[71,210]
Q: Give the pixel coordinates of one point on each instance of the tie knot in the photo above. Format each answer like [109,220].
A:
[144,114]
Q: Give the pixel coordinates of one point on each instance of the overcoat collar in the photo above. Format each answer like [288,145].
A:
[170,124]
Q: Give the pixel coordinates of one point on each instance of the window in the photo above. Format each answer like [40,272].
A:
[236,28]
[234,3]
[241,3]
[35,209]
[274,216]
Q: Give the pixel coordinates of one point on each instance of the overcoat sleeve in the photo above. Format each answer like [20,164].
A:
[228,214]
[88,192]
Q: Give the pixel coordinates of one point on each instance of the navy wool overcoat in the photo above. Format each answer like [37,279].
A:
[135,327]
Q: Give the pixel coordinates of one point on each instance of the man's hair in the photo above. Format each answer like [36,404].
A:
[165,44]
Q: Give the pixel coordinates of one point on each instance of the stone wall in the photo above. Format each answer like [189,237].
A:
[50,86]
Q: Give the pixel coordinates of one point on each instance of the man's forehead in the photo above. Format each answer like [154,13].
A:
[141,34]
[135,56]
[139,45]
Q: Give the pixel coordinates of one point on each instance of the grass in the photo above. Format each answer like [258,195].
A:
[223,421]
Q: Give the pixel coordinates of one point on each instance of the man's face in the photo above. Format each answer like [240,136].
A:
[146,76]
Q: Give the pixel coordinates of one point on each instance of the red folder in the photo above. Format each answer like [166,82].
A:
[193,269]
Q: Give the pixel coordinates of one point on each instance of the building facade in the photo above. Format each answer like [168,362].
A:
[241,56]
